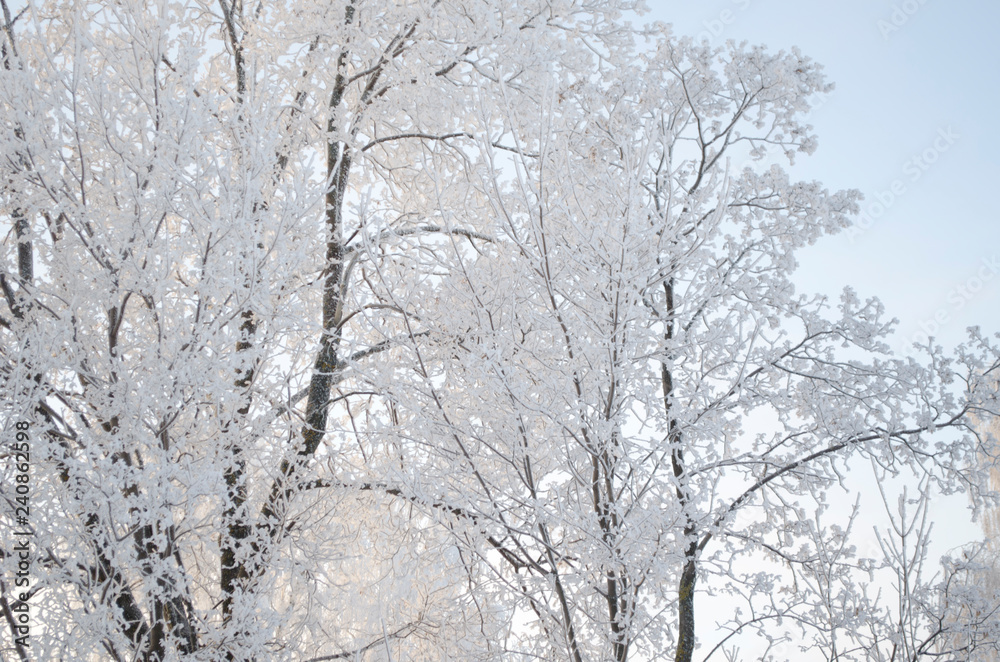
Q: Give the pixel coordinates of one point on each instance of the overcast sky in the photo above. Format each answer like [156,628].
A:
[915,109]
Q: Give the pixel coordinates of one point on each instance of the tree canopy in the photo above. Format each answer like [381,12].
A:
[450,330]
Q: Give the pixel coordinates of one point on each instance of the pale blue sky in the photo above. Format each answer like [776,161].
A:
[898,85]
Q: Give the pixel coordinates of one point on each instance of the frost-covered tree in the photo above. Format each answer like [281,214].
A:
[971,598]
[440,330]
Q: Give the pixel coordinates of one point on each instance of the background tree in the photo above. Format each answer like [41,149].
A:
[386,330]
[969,598]
[631,316]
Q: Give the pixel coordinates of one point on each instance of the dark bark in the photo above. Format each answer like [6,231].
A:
[689,571]
[25,262]
[616,585]
[233,572]
[133,621]
[233,569]
[685,608]
[327,361]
